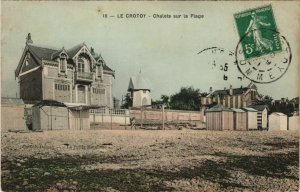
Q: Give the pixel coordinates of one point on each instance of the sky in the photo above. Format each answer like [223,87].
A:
[164,49]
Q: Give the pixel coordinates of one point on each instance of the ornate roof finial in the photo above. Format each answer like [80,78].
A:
[28,39]
[92,51]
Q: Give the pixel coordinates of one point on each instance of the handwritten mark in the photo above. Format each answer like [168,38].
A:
[214,49]
[225,77]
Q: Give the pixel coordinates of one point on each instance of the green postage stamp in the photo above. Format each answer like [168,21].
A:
[258,32]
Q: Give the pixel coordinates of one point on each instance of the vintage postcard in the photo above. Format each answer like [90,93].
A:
[150,96]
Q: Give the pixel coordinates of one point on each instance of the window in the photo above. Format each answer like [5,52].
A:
[62,87]
[80,65]
[252,95]
[100,71]
[83,64]
[98,91]
[63,63]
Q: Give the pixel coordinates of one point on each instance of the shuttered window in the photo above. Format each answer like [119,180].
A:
[98,91]
[62,87]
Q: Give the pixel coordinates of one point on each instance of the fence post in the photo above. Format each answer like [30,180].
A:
[102,119]
[163,117]
[142,117]
[111,119]
[125,118]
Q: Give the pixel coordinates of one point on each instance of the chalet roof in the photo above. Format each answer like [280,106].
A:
[57,53]
[72,51]
[99,57]
[138,83]
[45,53]
[237,110]
[235,91]
[259,107]
[105,67]
[41,52]
[249,109]
[218,108]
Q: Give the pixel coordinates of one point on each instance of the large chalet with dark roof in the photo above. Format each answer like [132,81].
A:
[232,97]
[75,76]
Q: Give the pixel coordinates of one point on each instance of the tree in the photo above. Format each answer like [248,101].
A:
[165,100]
[187,98]
[127,101]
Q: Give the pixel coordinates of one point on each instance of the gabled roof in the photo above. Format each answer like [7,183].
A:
[259,107]
[235,91]
[249,109]
[277,114]
[57,53]
[218,108]
[105,67]
[237,110]
[74,50]
[38,54]
[41,52]
[98,58]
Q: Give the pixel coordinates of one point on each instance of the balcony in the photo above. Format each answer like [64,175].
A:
[84,76]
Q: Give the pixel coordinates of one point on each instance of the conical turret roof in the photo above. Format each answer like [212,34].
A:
[138,83]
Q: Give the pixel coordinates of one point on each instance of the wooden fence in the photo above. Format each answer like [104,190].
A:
[160,117]
[106,118]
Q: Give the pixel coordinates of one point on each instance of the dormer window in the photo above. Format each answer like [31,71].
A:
[63,63]
[83,64]
[80,67]
[100,71]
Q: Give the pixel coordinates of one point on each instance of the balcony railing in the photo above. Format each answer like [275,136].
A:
[84,76]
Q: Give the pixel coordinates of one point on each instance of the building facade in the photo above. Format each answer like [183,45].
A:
[232,97]
[139,91]
[74,76]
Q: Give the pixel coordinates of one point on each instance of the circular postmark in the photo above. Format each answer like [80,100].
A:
[263,60]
